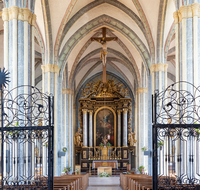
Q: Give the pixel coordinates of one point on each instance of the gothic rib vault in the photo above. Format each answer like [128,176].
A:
[66,59]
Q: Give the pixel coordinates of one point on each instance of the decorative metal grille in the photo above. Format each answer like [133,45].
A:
[26,139]
[176,137]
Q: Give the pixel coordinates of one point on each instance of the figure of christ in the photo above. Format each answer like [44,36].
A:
[103,41]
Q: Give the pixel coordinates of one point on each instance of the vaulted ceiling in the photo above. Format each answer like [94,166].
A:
[145,32]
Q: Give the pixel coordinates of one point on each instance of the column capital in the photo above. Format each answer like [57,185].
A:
[84,111]
[176,17]
[119,112]
[67,91]
[50,68]
[142,90]
[90,112]
[5,15]
[22,14]
[158,67]
[187,11]
[125,110]
[195,9]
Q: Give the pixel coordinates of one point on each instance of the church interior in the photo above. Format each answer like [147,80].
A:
[102,60]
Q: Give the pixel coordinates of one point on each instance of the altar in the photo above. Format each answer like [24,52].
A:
[105,136]
[105,163]
[104,169]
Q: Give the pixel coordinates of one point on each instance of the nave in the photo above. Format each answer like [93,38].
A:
[110,183]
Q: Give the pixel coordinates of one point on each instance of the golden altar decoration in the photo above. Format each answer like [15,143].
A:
[112,95]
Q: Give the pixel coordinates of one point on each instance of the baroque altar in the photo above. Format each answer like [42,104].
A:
[105,123]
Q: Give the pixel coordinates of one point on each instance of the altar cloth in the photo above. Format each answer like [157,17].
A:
[105,163]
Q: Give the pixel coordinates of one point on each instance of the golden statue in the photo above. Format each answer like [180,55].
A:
[77,138]
[131,138]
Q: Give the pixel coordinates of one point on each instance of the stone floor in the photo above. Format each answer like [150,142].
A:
[107,183]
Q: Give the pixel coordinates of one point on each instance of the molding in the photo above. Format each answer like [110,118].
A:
[187,11]
[67,91]
[50,68]
[23,14]
[159,67]
[142,90]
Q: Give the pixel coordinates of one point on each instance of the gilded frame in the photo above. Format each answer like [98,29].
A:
[95,115]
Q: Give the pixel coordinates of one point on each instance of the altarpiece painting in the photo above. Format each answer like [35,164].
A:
[105,127]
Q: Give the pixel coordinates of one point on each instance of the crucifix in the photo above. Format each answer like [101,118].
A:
[103,41]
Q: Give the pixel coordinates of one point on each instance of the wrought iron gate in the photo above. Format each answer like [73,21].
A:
[176,137]
[26,139]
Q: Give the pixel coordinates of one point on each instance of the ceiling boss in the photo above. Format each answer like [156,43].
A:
[103,41]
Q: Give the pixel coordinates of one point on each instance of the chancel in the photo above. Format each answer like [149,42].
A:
[99,88]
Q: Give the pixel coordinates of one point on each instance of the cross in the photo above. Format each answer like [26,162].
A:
[103,41]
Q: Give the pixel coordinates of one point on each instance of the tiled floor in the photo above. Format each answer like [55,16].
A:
[107,183]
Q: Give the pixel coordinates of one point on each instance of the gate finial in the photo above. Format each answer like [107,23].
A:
[4,78]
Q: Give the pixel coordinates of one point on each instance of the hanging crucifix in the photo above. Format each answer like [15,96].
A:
[103,41]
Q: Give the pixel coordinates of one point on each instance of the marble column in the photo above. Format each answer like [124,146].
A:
[18,19]
[187,28]
[119,127]
[159,76]
[18,42]
[90,127]
[142,123]
[85,127]
[52,84]
[125,127]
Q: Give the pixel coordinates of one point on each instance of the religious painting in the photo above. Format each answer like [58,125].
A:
[105,127]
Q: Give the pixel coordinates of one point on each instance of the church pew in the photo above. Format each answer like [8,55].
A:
[141,180]
[80,182]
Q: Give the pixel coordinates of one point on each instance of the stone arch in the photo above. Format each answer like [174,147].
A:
[66,25]
[110,22]
[125,60]
[160,31]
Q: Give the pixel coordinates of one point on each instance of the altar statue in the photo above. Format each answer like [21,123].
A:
[131,138]
[77,138]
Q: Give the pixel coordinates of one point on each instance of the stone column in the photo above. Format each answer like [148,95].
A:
[52,84]
[159,76]
[119,127]
[142,123]
[18,43]
[90,127]
[125,129]
[85,127]
[187,28]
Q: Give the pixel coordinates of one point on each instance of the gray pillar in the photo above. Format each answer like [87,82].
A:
[125,110]
[119,128]
[84,127]
[90,127]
